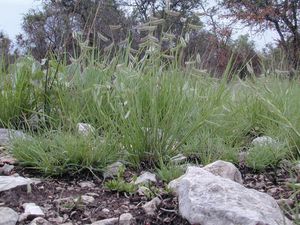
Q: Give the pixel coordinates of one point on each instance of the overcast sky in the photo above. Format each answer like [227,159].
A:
[12,11]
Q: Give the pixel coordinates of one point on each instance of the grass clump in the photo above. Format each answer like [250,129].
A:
[119,184]
[170,172]
[59,153]
[262,156]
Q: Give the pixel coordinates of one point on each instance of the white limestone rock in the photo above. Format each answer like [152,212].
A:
[10,182]
[6,169]
[110,221]
[85,129]
[112,170]
[40,221]
[264,141]
[151,207]
[207,199]
[146,177]
[31,210]
[86,184]
[225,170]
[126,219]
[8,216]
[7,135]
[87,199]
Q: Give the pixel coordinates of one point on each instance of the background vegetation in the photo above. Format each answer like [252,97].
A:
[155,79]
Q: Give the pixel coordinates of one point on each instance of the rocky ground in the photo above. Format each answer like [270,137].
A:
[85,200]
[28,198]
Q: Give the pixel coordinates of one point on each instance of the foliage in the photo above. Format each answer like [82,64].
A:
[261,157]
[281,16]
[170,171]
[59,153]
[119,184]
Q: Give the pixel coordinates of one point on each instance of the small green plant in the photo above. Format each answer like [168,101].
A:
[170,172]
[119,184]
[58,153]
[261,157]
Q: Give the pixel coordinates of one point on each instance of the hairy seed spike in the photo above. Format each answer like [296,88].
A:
[198,58]
[109,47]
[169,36]
[123,43]
[149,38]
[172,13]
[189,63]
[194,27]
[168,56]
[147,28]
[200,71]
[102,37]
[133,51]
[153,18]
[182,42]
[157,22]
[115,27]
[132,57]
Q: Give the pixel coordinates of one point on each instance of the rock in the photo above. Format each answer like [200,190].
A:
[146,177]
[86,184]
[225,170]
[87,199]
[143,190]
[7,135]
[10,182]
[263,141]
[207,199]
[66,204]
[126,219]
[7,158]
[56,220]
[112,170]
[31,210]
[40,221]
[85,129]
[92,194]
[6,169]
[288,203]
[180,158]
[151,207]
[8,216]
[105,210]
[111,221]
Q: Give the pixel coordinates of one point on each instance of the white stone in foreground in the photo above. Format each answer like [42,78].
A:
[151,207]
[207,199]
[8,216]
[112,170]
[111,221]
[85,129]
[10,182]
[264,141]
[146,177]
[40,221]
[6,136]
[32,210]
[225,170]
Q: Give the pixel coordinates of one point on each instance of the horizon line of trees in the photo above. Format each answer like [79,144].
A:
[56,27]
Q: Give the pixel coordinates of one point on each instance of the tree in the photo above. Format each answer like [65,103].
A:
[7,55]
[175,12]
[54,28]
[280,15]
